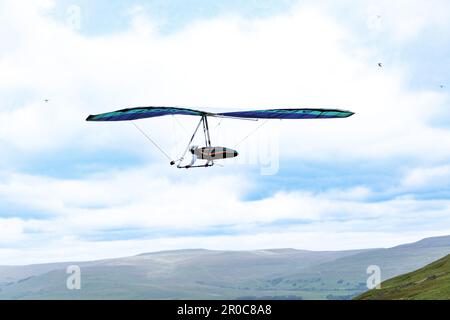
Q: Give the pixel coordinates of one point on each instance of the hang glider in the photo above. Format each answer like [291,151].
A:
[210,153]
[150,112]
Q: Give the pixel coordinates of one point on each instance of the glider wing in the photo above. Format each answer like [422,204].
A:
[144,112]
[289,114]
[150,112]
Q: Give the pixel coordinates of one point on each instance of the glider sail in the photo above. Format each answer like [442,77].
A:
[289,114]
[144,112]
[150,112]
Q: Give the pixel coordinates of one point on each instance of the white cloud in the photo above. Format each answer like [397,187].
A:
[163,207]
[304,58]
[405,20]
[11,230]
[297,59]
[434,177]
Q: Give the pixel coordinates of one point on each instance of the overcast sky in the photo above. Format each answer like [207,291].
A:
[72,190]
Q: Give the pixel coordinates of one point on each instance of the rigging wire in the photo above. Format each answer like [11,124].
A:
[180,124]
[174,135]
[150,139]
[218,124]
[217,128]
[251,133]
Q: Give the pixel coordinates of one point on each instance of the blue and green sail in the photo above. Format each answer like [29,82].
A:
[143,112]
[290,113]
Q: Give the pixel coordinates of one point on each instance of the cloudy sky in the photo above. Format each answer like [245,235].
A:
[72,190]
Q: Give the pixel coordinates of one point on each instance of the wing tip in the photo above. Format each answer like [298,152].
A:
[350,113]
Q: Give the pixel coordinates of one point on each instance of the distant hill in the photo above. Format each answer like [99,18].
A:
[346,277]
[428,243]
[207,274]
[430,282]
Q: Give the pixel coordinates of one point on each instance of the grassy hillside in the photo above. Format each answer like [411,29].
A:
[431,282]
[346,277]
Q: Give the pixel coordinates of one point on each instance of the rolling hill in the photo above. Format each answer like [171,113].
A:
[346,277]
[207,274]
[431,282]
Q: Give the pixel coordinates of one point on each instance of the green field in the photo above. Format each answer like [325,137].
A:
[431,282]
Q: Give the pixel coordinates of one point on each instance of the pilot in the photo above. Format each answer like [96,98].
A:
[193,150]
